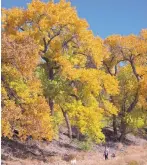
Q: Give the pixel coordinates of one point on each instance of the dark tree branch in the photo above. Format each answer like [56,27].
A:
[76,97]
[66,42]
[112,58]
[115,70]
[21,29]
[108,69]
[46,43]
[11,93]
[67,122]
[134,102]
[45,46]
[82,53]
[134,70]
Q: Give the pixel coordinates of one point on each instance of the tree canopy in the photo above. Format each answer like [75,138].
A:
[53,65]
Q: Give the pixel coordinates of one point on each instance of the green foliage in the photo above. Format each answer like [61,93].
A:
[85,145]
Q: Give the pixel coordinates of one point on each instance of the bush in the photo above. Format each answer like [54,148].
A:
[133,162]
[86,145]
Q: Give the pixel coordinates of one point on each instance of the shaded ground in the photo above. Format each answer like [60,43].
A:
[54,153]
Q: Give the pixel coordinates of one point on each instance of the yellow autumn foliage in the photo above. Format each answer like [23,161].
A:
[54,33]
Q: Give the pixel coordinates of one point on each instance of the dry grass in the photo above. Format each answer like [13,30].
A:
[134,155]
[14,154]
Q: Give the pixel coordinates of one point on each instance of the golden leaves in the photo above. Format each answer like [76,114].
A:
[13,17]
[22,54]
[36,120]
[143,34]
[55,32]
[128,59]
[23,108]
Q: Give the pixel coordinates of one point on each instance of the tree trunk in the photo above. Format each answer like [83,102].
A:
[51,105]
[114,117]
[67,123]
[51,73]
[114,125]
[134,70]
[51,101]
[123,130]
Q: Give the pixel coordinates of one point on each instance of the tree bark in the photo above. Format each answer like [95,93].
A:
[67,123]
[51,73]
[123,130]
[51,105]
[51,101]
[114,125]
[134,70]
[114,118]
[134,102]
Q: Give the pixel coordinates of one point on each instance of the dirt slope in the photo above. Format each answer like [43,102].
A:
[45,153]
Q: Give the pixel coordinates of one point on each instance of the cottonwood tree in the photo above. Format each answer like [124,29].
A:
[23,103]
[128,63]
[72,56]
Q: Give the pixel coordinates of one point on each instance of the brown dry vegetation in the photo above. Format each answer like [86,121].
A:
[134,155]
[14,153]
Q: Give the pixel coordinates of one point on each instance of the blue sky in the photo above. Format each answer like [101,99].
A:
[105,17]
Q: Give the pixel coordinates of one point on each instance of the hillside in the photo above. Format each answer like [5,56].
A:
[133,152]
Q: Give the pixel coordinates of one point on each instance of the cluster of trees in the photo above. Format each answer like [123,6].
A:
[128,64]
[55,71]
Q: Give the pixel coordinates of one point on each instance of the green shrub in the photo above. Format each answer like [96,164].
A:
[86,145]
[133,162]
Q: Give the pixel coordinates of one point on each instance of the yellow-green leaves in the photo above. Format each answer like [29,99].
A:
[24,107]
[128,63]
[71,74]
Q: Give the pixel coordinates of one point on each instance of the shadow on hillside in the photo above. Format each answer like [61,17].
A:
[11,148]
[43,151]
[129,140]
